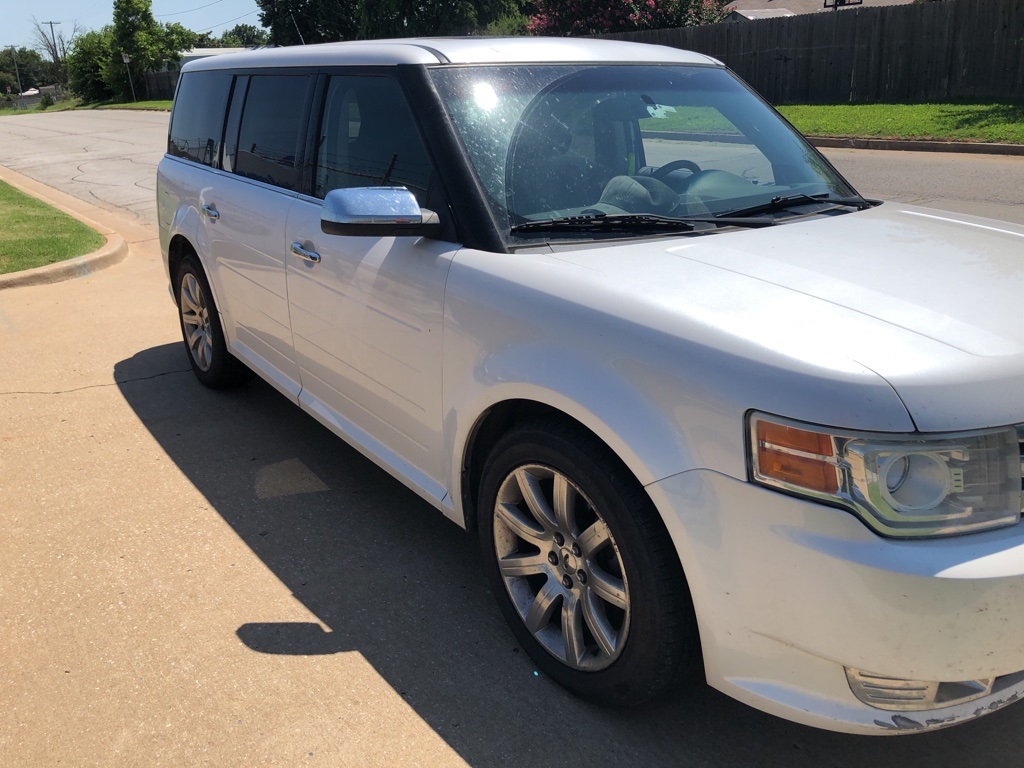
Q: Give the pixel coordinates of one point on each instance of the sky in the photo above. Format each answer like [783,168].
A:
[214,16]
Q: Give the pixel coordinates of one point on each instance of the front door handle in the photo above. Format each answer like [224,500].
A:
[302,253]
[211,212]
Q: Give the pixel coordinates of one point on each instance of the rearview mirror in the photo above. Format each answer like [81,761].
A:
[376,212]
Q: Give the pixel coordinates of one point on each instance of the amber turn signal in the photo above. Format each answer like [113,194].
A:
[796,456]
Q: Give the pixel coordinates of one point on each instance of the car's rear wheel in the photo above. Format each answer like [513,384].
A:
[202,332]
[583,568]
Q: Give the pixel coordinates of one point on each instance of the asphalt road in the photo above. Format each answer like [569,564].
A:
[190,577]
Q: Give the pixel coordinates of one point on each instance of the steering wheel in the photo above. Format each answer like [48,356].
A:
[664,171]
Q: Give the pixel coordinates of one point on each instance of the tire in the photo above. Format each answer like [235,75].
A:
[202,332]
[590,584]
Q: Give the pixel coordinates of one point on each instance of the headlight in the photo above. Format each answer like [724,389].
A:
[901,485]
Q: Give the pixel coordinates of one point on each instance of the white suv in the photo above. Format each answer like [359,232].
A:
[704,404]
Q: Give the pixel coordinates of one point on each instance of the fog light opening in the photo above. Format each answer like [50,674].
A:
[901,695]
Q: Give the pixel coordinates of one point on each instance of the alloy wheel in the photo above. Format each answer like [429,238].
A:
[195,319]
[561,567]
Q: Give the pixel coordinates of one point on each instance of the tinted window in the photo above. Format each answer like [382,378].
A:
[198,121]
[270,134]
[368,138]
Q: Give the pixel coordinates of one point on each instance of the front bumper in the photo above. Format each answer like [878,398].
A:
[790,593]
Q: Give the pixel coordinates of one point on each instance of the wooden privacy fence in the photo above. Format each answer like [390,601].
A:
[957,49]
[160,85]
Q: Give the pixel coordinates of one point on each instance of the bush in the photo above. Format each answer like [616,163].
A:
[85,65]
[46,102]
[509,25]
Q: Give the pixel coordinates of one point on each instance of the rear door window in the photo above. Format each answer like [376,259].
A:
[271,132]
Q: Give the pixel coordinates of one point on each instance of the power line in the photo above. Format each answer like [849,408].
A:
[180,13]
[237,18]
[93,7]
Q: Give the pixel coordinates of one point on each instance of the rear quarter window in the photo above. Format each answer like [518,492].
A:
[197,123]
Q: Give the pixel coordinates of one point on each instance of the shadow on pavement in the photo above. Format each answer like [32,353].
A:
[396,582]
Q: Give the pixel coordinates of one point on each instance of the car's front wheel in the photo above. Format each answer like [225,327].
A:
[583,568]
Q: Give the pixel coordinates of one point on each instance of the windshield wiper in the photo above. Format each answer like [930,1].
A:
[783,203]
[634,222]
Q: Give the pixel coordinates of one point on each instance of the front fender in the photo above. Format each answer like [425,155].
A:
[603,398]
[664,389]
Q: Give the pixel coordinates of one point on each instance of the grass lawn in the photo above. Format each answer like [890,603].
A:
[33,233]
[60,106]
[156,104]
[1001,122]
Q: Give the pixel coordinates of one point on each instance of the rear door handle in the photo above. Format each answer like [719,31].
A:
[302,253]
[211,212]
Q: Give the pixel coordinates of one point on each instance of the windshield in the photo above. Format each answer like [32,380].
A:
[550,142]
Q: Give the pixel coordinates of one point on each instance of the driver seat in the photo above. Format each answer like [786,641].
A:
[545,174]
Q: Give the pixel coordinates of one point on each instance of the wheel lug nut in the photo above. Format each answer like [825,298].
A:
[567,582]
[576,551]
[559,539]
[582,576]
[552,558]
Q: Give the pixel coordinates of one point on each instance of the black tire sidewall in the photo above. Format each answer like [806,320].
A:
[653,657]
[222,371]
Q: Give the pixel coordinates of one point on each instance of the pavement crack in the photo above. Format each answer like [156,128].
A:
[95,386]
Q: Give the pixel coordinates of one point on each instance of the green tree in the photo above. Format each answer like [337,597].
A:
[8,84]
[403,18]
[86,62]
[33,70]
[148,45]
[588,17]
[293,22]
[244,36]
[512,24]
[410,18]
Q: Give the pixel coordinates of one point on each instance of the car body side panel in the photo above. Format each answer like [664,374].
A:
[666,393]
[367,321]
[249,258]
[247,286]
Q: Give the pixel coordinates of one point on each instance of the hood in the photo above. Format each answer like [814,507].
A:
[930,301]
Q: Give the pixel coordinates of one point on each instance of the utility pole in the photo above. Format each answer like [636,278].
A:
[14,54]
[56,53]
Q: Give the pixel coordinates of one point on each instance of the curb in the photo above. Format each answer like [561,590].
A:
[115,250]
[913,145]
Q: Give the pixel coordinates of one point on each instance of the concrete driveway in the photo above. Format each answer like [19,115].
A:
[200,578]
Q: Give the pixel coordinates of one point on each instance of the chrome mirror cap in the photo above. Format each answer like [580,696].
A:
[394,206]
[376,212]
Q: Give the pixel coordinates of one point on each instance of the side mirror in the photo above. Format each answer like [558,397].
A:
[376,212]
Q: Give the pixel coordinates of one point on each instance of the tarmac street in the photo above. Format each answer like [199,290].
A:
[191,577]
